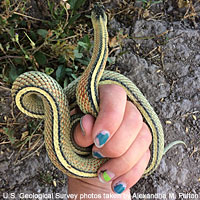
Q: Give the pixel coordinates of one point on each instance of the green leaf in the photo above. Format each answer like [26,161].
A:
[86,40]
[68,70]
[1,48]
[73,19]
[74,76]
[76,67]
[33,35]
[42,32]
[84,61]
[111,60]
[60,73]
[76,4]
[77,54]
[88,16]
[82,44]
[72,4]
[40,58]
[12,32]
[10,134]
[61,59]
[13,74]
[7,46]
[79,3]
[49,70]
[18,61]
[66,82]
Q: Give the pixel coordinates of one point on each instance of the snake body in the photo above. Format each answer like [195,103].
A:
[40,96]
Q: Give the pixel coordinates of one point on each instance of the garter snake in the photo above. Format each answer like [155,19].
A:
[40,96]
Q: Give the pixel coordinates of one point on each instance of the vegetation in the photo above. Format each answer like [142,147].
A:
[56,45]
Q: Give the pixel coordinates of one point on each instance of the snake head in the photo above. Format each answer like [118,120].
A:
[98,12]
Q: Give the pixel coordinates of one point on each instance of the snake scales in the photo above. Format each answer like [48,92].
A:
[40,96]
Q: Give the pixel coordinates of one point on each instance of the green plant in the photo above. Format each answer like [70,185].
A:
[57,45]
[54,46]
[46,178]
[10,134]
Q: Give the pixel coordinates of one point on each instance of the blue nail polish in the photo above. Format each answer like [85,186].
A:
[119,187]
[101,138]
[97,154]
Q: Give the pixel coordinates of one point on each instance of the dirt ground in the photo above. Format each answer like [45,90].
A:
[160,54]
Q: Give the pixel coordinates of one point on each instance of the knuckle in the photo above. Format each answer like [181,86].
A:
[145,135]
[148,154]
[126,162]
[117,89]
[113,152]
[134,114]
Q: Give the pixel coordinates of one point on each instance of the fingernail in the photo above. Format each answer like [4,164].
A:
[119,187]
[105,176]
[81,125]
[101,138]
[96,154]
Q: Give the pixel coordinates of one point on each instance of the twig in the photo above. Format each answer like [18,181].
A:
[5,88]
[150,37]
[33,152]
[6,57]
[27,16]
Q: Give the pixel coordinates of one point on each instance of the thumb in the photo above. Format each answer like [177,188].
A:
[83,131]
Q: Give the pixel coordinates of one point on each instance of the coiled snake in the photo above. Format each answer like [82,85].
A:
[38,95]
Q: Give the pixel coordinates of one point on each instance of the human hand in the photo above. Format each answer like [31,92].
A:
[120,134]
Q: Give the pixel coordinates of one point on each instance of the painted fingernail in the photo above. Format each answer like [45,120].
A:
[105,176]
[119,187]
[81,125]
[96,154]
[101,138]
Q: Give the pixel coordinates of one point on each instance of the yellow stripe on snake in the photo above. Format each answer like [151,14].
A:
[40,96]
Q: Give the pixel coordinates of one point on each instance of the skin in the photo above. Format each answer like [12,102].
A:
[127,145]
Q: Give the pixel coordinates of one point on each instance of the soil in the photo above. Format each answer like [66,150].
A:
[160,53]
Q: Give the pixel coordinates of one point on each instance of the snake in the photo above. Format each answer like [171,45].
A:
[38,95]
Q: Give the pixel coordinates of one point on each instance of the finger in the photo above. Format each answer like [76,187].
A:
[112,107]
[83,131]
[125,135]
[129,179]
[118,166]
